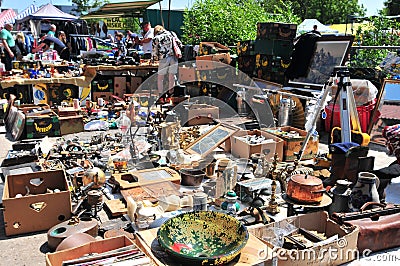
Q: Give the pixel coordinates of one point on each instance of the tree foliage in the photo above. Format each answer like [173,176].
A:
[326,11]
[380,31]
[227,21]
[392,8]
[83,6]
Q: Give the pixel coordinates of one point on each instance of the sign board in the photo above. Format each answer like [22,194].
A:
[119,23]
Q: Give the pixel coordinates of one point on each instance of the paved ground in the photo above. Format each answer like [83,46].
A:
[30,249]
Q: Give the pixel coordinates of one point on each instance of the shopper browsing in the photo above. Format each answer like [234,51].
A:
[163,52]
[59,46]
[8,46]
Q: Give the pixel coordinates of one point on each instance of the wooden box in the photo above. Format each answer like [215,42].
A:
[200,114]
[319,254]
[99,246]
[293,145]
[71,124]
[242,149]
[39,210]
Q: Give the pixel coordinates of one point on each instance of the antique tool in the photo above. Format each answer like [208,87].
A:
[75,225]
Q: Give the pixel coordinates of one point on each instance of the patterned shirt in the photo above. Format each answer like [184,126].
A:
[162,45]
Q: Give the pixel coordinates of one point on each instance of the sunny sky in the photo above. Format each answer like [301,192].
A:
[372,5]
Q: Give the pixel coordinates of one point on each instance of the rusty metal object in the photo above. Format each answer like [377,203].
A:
[305,189]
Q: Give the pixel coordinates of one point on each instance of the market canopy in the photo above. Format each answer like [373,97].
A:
[308,24]
[49,12]
[26,12]
[7,16]
[126,9]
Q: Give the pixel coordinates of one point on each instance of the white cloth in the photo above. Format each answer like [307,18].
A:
[147,47]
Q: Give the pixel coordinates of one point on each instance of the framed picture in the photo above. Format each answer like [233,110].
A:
[389,94]
[330,51]
[211,140]
[391,91]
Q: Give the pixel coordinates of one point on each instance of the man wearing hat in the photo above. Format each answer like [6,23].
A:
[8,46]
[146,41]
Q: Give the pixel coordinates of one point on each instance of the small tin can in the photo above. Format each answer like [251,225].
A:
[200,201]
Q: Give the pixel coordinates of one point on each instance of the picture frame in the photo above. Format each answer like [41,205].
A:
[211,140]
[330,51]
[389,94]
[391,91]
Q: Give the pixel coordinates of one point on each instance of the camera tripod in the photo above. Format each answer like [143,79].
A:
[350,128]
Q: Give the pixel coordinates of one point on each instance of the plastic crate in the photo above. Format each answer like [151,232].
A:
[364,114]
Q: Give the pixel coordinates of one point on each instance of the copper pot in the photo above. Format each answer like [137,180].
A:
[305,189]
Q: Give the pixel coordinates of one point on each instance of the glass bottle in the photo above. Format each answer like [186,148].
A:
[123,123]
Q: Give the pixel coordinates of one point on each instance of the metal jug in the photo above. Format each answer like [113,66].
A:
[365,190]
[340,196]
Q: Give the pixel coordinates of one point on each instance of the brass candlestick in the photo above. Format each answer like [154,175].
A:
[272,204]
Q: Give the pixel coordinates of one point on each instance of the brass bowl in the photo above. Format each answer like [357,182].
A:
[203,237]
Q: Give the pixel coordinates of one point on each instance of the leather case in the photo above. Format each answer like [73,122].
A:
[379,227]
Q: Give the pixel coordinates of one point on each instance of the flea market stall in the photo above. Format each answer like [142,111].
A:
[224,167]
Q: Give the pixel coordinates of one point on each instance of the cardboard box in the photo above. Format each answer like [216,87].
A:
[135,83]
[242,149]
[39,210]
[334,253]
[187,74]
[103,84]
[207,48]
[99,246]
[71,124]
[209,62]
[293,145]
[120,86]
[41,125]
[275,30]
[200,114]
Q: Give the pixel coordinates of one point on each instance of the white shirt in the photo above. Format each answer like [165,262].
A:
[148,46]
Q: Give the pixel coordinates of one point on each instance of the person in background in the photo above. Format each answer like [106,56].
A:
[20,45]
[52,31]
[111,38]
[315,30]
[146,41]
[119,40]
[163,51]
[63,37]
[132,40]
[8,46]
[59,46]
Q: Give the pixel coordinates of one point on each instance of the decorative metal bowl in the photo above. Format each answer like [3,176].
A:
[203,237]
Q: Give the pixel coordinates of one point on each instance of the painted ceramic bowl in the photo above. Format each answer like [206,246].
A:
[203,237]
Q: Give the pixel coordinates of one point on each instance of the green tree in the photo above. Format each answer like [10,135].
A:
[392,8]
[326,11]
[227,21]
[83,6]
[380,31]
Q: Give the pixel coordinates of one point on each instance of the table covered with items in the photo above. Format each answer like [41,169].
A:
[114,173]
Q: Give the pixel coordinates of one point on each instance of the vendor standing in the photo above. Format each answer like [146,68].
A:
[59,46]
[146,41]
[8,46]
